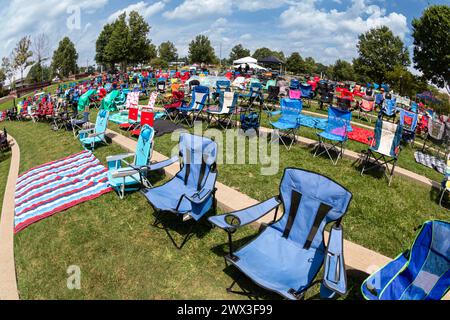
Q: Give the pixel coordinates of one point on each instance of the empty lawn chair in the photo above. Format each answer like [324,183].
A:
[90,137]
[384,149]
[409,121]
[191,193]
[287,256]
[288,124]
[420,273]
[123,176]
[223,114]
[173,107]
[436,139]
[133,117]
[78,122]
[200,99]
[389,109]
[365,109]
[334,137]
[307,92]
[254,94]
[147,118]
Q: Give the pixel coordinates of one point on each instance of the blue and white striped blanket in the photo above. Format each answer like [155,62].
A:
[57,186]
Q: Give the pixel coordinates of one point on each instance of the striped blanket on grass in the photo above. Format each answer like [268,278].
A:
[430,161]
[57,186]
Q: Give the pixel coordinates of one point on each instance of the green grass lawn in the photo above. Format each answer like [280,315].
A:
[5,161]
[122,256]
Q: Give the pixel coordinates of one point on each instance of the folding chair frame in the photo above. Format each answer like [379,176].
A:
[328,147]
[382,161]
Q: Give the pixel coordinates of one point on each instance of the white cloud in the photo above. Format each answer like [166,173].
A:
[193,9]
[145,9]
[334,34]
[256,5]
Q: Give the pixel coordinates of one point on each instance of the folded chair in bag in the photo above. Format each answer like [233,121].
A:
[420,273]
[365,109]
[436,138]
[200,99]
[288,124]
[190,195]
[133,117]
[408,120]
[335,135]
[385,148]
[89,138]
[287,256]
[132,177]
[222,116]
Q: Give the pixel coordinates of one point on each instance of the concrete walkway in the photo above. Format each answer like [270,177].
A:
[8,282]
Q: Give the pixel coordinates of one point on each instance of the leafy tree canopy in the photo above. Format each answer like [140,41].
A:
[201,51]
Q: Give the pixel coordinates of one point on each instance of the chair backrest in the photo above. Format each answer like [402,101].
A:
[228,102]
[389,106]
[200,96]
[295,94]
[133,114]
[223,86]
[426,275]
[270,83]
[338,121]
[86,116]
[144,146]
[367,105]
[273,91]
[436,129]
[306,90]
[199,155]
[255,89]
[147,118]
[132,99]
[388,137]
[102,121]
[193,83]
[161,85]
[414,107]
[310,201]
[408,120]
[291,109]
[295,84]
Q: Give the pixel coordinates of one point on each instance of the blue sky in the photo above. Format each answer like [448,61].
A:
[324,29]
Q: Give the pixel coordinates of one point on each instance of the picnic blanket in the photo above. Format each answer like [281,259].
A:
[430,161]
[57,186]
[361,135]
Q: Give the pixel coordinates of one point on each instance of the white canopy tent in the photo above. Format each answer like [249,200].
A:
[251,66]
[246,60]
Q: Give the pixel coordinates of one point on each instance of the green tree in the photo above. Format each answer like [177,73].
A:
[262,53]
[139,46]
[431,35]
[64,62]
[159,63]
[22,55]
[201,51]
[343,71]
[167,51]
[39,73]
[379,52]
[404,82]
[295,63]
[238,52]
[8,69]
[101,56]
[310,65]
[2,76]
[117,49]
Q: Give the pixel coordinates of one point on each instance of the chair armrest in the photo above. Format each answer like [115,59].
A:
[86,131]
[119,157]
[274,113]
[93,135]
[246,216]
[335,277]
[162,164]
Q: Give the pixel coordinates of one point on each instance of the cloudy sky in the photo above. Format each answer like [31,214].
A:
[324,29]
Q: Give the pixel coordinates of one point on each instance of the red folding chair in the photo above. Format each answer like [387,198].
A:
[133,115]
[147,117]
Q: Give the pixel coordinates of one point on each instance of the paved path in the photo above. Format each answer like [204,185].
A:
[8,283]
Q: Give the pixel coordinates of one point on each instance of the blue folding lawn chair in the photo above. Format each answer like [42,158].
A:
[384,149]
[334,137]
[287,256]
[221,86]
[191,193]
[389,108]
[409,121]
[421,273]
[254,94]
[288,124]
[90,137]
[132,177]
[200,99]
[307,92]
